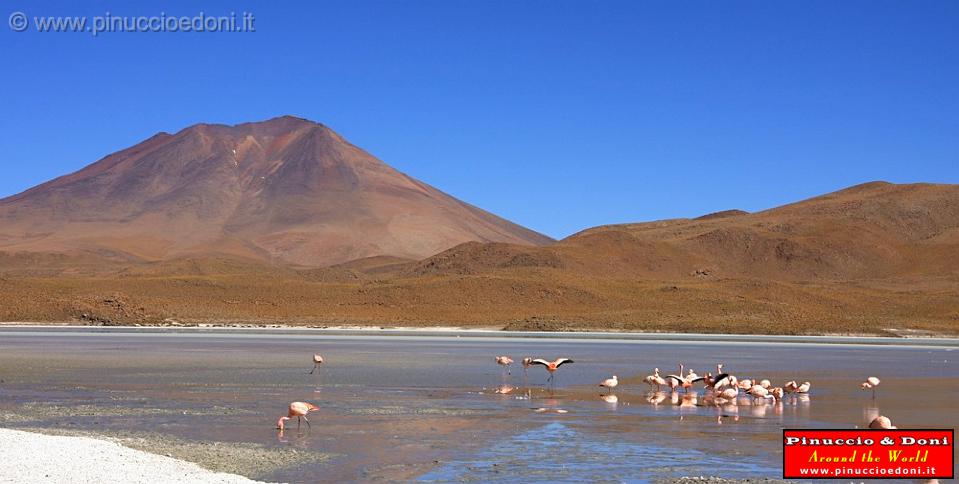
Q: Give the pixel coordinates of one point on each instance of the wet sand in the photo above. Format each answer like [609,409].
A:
[420,407]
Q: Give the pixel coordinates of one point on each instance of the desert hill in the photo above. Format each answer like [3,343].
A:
[282,191]
[871,231]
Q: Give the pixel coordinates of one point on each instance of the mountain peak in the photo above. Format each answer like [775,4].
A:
[284,189]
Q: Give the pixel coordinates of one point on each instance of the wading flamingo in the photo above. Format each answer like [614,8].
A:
[685,382]
[610,384]
[758,391]
[552,366]
[672,384]
[719,380]
[723,380]
[527,362]
[870,384]
[298,410]
[804,388]
[317,361]
[655,379]
[504,361]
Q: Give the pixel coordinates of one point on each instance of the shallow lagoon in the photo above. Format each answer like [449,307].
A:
[418,407]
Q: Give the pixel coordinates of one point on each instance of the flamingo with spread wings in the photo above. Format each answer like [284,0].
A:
[552,366]
[684,381]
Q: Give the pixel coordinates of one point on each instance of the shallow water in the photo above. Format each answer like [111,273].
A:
[426,408]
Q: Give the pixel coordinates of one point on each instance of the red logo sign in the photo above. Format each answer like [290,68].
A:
[868,454]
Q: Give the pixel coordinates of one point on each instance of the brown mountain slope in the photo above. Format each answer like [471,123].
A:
[872,231]
[284,190]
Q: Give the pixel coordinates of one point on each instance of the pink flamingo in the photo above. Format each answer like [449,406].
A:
[730,393]
[504,361]
[655,379]
[758,391]
[720,378]
[317,361]
[527,362]
[685,381]
[298,410]
[610,384]
[870,384]
[552,366]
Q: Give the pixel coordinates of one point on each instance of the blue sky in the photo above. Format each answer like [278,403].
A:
[559,115]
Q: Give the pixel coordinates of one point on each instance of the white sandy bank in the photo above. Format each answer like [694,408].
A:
[28,457]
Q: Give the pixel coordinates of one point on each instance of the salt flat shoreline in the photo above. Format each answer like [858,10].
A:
[34,457]
[277,330]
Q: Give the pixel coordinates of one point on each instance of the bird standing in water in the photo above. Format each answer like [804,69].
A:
[298,410]
[870,384]
[504,361]
[527,362]
[655,380]
[610,384]
[552,366]
[684,381]
[317,361]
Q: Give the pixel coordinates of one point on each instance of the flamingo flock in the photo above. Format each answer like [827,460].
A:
[720,389]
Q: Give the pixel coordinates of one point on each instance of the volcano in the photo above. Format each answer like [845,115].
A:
[286,190]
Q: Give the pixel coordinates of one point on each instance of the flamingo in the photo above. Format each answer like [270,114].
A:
[655,379]
[610,384]
[317,361]
[765,384]
[720,380]
[504,361]
[685,382]
[724,380]
[672,384]
[527,362]
[552,366]
[791,386]
[730,393]
[758,391]
[870,384]
[298,410]
[777,393]
[804,388]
